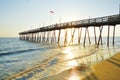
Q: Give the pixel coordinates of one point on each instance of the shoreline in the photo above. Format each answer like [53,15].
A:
[38,71]
[103,70]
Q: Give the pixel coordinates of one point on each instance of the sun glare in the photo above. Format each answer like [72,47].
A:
[74,75]
[70,55]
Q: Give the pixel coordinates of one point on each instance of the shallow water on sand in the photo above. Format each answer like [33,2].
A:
[23,60]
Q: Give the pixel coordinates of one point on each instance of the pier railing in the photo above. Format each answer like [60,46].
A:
[107,20]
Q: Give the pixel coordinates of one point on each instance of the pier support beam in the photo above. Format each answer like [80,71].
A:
[113,35]
[44,37]
[100,36]
[47,37]
[35,37]
[108,35]
[85,37]
[88,36]
[79,35]
[72,36]
[86,32]
[59,38]
[95,35]
[51,36]
[54,36]
[32,37]
[65,40]
[40,37]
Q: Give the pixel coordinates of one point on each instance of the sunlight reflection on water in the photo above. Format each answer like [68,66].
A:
[70,55]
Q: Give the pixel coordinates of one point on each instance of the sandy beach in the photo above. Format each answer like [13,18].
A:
[105,70]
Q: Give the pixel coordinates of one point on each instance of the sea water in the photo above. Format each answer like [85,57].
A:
[22,60]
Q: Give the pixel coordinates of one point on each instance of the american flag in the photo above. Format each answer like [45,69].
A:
[51,12]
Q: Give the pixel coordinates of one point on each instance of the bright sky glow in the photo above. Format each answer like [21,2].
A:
[21,15]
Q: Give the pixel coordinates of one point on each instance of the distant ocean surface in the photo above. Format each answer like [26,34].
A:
[37,60]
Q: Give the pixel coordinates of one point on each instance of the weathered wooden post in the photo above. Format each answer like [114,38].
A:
[40,37]
[100,36]
[85,37]
[72,36]
[108,35]
[88,36]
[113,34]
[48,36]
[65,40]
[95,35]
[79,35]
[59,38]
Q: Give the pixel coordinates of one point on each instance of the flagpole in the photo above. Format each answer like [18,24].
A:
[51,12]
[50,18]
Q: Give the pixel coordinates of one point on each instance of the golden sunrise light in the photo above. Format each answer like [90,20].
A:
[70,55]
[59,39]
[74,75]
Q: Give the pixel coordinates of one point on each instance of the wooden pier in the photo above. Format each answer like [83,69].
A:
[52,33]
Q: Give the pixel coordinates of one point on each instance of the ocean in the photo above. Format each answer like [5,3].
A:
[22,60]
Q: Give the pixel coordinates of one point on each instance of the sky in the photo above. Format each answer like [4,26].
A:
[21,15]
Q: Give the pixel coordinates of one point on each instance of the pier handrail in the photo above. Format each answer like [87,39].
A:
[106,20]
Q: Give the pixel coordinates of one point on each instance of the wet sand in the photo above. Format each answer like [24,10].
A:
[105,70]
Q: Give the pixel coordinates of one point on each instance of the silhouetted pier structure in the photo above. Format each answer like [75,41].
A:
[48,34]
